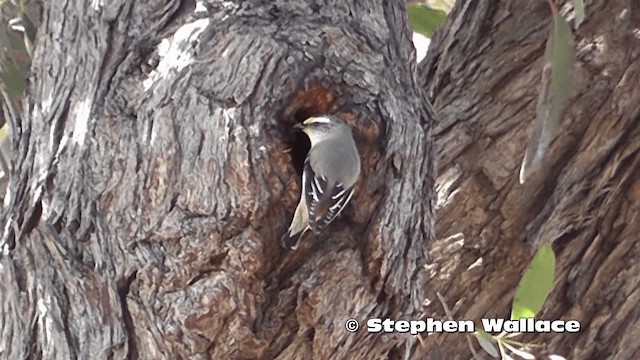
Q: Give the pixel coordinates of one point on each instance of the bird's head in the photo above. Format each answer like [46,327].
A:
[318,128]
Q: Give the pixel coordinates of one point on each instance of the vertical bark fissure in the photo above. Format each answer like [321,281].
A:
[129,325]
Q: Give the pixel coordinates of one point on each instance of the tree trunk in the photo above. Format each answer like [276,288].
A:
[155,172]
[482,72]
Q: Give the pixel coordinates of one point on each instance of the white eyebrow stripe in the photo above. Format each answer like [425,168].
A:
[320,119]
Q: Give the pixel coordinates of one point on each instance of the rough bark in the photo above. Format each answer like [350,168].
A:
[483,71]
[155,172]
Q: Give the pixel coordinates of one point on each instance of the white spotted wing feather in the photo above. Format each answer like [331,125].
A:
[325,201]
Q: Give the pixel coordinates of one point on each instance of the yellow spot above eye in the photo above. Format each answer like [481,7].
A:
[319,119]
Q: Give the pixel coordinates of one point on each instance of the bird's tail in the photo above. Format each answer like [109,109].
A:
[291,241]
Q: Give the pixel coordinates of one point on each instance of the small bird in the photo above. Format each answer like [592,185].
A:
[331,169]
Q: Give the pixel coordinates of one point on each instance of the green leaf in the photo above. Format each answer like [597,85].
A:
[486,342]
[425,20]
[535,285]
[557,87]
[559,54]
[578,6]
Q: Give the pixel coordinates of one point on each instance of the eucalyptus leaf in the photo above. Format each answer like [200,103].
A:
[486,342]
[535,285]
[578,6]
[556,88]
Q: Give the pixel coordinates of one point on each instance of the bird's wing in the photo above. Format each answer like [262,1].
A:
[324,201]
[299,224]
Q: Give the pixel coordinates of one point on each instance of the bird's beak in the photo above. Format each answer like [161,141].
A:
[298,126]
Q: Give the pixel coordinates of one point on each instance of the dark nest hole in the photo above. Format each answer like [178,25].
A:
[298,141]
[313,101]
